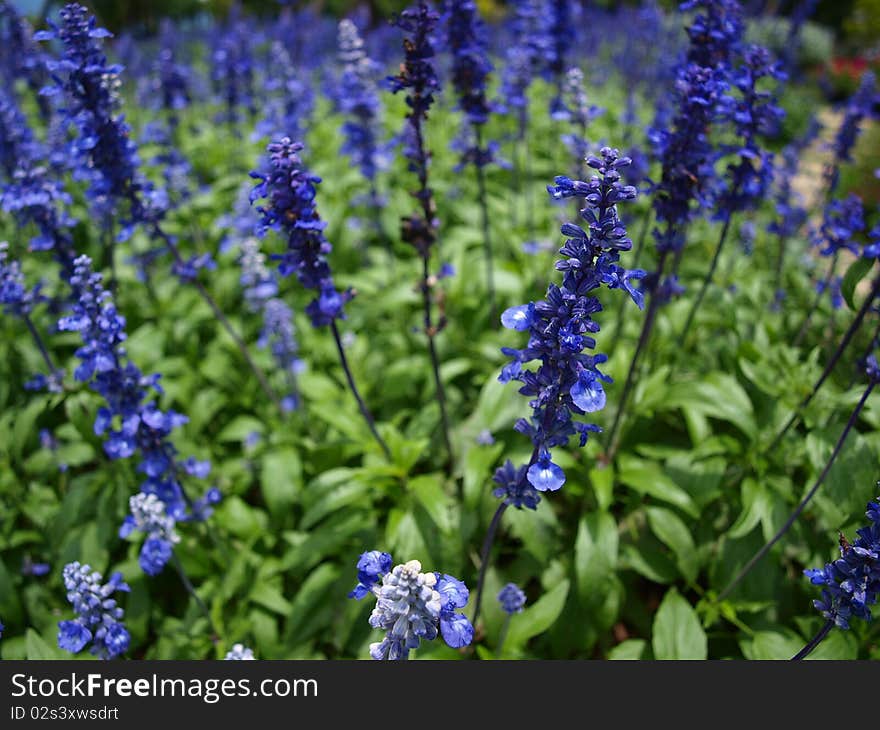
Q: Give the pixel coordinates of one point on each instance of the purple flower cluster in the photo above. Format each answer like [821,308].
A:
[232,71]
[568,382]
[16,139]
[130,422]
[561,36]
[686,153]
[17,299]
[411,606]
[359,101]
[419,79]
[20,57]
[290,190]
[852,582]
[753,113]
[860,105]
[525,55]
[105,153]
[842,223]
[467,44]
[576,109]
[99,618]
[715,32]
[290,98]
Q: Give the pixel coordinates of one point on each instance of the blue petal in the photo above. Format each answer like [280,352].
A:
[545,476]
[456,630]
[518,318]
[587,392]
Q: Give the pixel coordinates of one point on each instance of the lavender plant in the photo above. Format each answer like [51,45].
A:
[131,422]
[107,157]
[687,156]
[290,191]
[852,582]
[568,382]
[754,113]
[466,41]
[419,79]
[99,619]
[411,606]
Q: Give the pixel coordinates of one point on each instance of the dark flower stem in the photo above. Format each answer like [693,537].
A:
[431,333]
[487,234]
[187,583]
[222,318]
[368,417]
[644,337]
[802,332]
[836,355]
[814,642]
[40,344]
[707,281]
[484,557]
[803,503]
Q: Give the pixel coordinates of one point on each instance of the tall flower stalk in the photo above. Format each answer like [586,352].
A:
[290,191]
[688,157]
[419,79]
[851,583]
[359,102]
[753,114]
[465,39]
[872,370]
[108,157]
[859,107]
[130,421]
[568,381]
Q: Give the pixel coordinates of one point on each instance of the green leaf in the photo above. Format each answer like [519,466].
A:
[240,428]
[629,649]
[539,617]
[270,597]
[718,395]
[672,532]
[677,631]
[37,648]
[281,480]
[646,477]
[771,645]
[757,507]
[595,555]
[428,490]
[854,274]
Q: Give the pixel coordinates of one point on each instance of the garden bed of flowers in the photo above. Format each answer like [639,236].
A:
[433,337]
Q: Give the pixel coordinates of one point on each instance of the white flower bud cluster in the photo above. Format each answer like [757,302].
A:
[408,608]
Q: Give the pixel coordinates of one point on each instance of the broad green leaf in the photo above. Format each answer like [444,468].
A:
[595,555]
[677,632]
[647,477]
[673,533]
[717,395]
[38,648]
[629,649]
[539,617]
[428,490]
[281,479]
[854,274]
